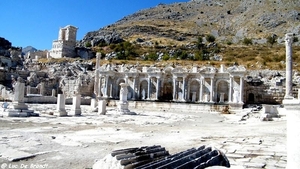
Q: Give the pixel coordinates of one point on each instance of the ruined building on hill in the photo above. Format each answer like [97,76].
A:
[65,44]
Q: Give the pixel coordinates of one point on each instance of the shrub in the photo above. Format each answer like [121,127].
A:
[165,57]
[247,41]
[198,56]
[210,38]
[271,40]
[295,39]
[199,43]
[152,57]
[88,44]
[229,43]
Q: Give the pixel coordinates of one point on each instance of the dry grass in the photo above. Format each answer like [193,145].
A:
[252,57]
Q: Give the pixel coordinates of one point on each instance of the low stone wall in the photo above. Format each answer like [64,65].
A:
[41,99]
[172,106]
[53,100]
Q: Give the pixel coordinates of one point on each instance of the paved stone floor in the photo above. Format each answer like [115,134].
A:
[77,142]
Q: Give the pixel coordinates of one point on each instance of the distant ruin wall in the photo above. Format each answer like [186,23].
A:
[53,100]
[166,106]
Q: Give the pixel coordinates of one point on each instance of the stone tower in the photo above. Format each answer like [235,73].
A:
[65,45]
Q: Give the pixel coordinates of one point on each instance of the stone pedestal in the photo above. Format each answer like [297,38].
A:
[76,110]
[20,109]
[235,107]
[93,105]
[101,107]
[123,103]
[60,109]
[292,107]
[123,107]
[20,106]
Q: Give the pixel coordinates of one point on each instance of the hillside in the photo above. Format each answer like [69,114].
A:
[181,31]
[180,23]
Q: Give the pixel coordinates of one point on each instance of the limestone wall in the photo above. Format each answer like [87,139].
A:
[172,106]
[53,100]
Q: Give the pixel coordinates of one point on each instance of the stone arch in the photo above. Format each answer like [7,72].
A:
[222,87]
[118,82]
[143,86]
[251,98]
[167,88]
[194,89]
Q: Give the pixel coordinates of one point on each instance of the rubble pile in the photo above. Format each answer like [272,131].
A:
[157,157]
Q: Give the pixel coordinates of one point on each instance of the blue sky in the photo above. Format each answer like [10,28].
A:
[36,22]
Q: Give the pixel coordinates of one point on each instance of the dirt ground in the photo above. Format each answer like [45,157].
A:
[78,142]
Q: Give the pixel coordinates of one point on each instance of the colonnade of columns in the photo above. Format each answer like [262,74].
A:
[179,83]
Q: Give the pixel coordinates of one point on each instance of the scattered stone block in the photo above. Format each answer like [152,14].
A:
[101,107]
[76,110]
[60,110]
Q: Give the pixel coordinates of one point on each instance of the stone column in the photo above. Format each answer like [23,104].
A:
[106,86]
[183,88]
[298,94]
[53,92]
[76,110]
[293,134]
[123,92]
[28,90]
[211,89]
[189,91]
[100,93]
[201,90]
[98,58]
[134,88]
[289,64]
[110,90]
[101,107]
[157,87]
[126,79]
[60,107]
[93,104]
[241,89]
[18,99]
[123,103]
[293,111]
[42,89]
[174,88]
[96,84]
[149,88]
[230,89]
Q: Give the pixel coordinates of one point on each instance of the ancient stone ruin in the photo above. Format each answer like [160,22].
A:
[19,108]
[158,157]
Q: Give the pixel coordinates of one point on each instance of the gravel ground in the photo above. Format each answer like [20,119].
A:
[78,142]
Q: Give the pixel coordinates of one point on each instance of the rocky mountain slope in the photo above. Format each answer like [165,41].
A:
[28,49]
[181,23]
